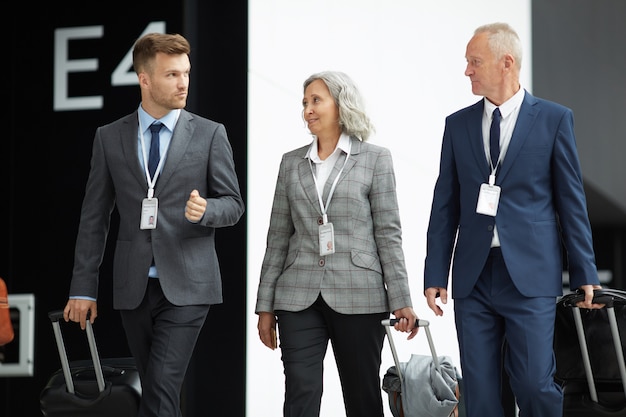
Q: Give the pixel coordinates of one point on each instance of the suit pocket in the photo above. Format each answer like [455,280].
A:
[290,259]
[199,259]
[366,260]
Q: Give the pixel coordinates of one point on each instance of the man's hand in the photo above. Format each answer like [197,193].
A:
[431,298]
[588,302]
[195,208]
[78,310]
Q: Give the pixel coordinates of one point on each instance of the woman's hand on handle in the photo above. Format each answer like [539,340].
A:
[407,321]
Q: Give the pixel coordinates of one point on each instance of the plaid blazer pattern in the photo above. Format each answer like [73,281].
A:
[367,272]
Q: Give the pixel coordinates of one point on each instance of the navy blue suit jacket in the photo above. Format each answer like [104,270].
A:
[542,204]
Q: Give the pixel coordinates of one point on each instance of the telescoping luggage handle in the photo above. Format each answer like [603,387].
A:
[609,298]
[55,317]
[388,323]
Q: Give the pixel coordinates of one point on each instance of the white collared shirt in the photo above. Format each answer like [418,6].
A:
[324,167]
[509,110]
[169,121]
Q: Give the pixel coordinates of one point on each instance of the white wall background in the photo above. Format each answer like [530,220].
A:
[408,58]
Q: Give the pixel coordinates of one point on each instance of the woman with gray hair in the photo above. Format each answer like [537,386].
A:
[334,265]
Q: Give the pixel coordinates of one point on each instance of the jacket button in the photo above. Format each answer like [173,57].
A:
[320,221]
[490,228]
[321,262]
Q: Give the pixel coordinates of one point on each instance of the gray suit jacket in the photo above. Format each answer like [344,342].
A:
[199,157]
[367,273]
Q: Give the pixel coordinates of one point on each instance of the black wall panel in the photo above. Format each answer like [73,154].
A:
[44,163]
[579,61]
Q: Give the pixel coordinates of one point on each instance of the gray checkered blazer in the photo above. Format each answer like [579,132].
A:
[367,272]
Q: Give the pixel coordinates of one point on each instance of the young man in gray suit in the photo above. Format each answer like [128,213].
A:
[173,185]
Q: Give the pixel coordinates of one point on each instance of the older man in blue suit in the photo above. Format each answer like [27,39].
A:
[505,219]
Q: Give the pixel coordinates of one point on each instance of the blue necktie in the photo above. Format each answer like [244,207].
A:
[494,137]
[154,157]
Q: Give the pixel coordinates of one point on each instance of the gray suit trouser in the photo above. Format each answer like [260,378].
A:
[161,337]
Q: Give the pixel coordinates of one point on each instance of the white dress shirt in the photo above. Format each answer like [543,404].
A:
[509,110]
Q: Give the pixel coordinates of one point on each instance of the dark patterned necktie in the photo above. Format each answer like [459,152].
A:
[494,137]
[154,157]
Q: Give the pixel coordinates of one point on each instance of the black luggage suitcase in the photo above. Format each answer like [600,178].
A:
[95,388]
[590,355]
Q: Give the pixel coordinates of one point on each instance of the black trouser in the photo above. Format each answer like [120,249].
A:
[161,337]
[357,341]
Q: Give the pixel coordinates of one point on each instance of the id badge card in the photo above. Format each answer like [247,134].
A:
[327,239]
[488,199]
[149,211]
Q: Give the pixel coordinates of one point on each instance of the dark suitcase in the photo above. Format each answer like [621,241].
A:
[590,355]
[93,387]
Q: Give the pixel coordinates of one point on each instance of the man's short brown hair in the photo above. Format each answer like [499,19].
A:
[149,45]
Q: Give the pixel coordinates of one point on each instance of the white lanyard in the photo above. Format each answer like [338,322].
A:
[492,177]
[144,152]
[332,189]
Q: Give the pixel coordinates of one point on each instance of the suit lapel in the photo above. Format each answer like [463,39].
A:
[306,179]
[129,138]
[181,137]
[355,149]
[475,134]
[525,121]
